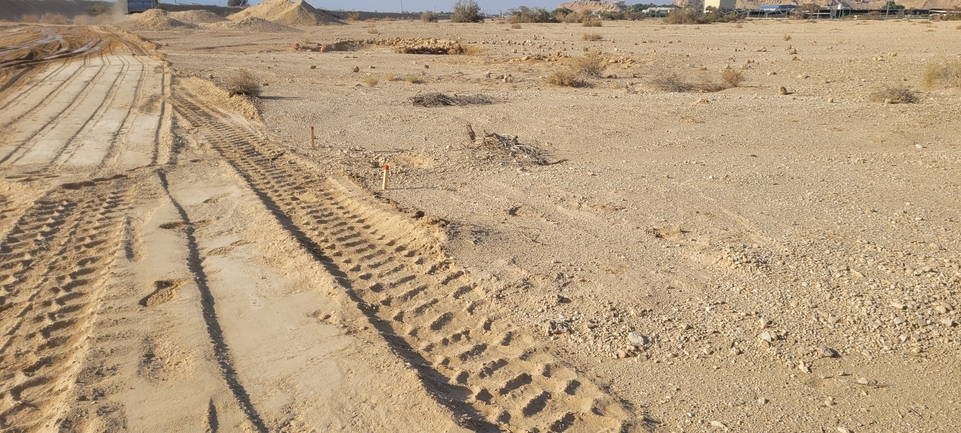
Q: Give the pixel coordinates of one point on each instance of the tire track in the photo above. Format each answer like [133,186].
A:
[214,331]
[54,266]
[14,110]
[100,132]
[490,374]
[68,126]
[23,140]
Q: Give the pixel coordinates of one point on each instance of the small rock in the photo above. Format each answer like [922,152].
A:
[947,321]
[843,430]
[557,327]
[638,340]
[803,366]
[718,424]
[829,401]
[826,352]
[762,400]
[766,336]
[897,305]
[702,101]
[782,90]
[867,381]
[356,68]
[426,66]
[313,66]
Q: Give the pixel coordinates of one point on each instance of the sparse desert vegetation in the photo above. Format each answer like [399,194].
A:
[242,82]
[472,227]
[942,73]
[898,94]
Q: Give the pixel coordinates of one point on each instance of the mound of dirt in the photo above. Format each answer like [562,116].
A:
[253,24]
[296,13]
[197,16]
[153,20]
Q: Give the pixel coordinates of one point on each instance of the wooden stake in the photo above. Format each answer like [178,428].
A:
[313,138]
[384,185]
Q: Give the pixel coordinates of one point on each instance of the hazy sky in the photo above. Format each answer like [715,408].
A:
[487,6]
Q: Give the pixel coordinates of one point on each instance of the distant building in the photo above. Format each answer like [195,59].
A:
[725,5]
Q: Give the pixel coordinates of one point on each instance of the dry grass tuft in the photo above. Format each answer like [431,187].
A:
[591,22]
[591,64]
[671,82]
[591,37]
[942,74]
[390,76]
[732,77]
[894,95]
[515,26]
[242,82]
[787,37]
[371,81]
[435,99]
[411,78]
[372,29]
[564,79]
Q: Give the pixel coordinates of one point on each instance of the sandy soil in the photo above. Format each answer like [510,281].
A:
[746,260]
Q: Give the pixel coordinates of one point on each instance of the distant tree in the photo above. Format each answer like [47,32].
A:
[891,5]
[524,14]
[466,11]
[236,3]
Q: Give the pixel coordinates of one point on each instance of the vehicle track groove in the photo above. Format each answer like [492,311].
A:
[451,340]
[53,272]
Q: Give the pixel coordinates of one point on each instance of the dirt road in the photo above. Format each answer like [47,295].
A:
[166,264]
[742,259]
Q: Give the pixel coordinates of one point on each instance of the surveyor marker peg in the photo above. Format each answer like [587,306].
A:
[313,138]
[386,169]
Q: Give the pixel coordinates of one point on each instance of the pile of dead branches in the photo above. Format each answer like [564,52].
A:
[508,144]
[435,99]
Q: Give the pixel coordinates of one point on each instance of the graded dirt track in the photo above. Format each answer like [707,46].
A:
[743,260]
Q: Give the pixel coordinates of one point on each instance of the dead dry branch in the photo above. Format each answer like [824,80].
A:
[509,145]
[435,99]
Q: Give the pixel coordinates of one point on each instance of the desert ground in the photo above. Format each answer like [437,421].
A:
[779,256]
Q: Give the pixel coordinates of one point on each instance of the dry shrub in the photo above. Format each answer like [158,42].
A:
[372,29]
[787,37]
[435,99]
[353,17]
[732,77]
[515,26]
[242,82]
[469,50]
[574,17]
[371,81]
[893,95]
[591,22]
[411,78]
[390,76]
[564,78]
[29,18]
[671,82]
[942,73]
[590,64]
[679,16]
[428,17]
[591,37]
